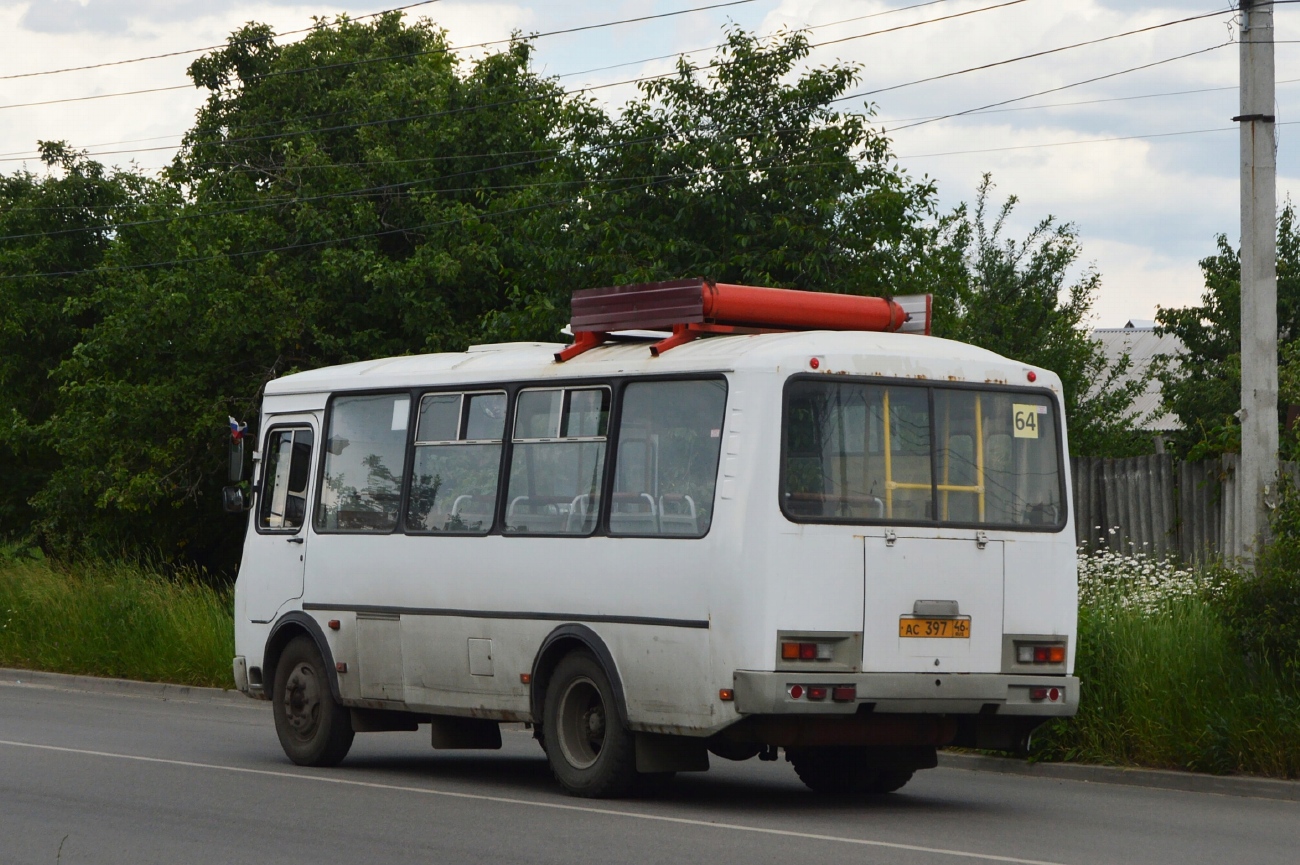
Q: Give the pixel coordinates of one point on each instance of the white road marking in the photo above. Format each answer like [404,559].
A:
[506,800]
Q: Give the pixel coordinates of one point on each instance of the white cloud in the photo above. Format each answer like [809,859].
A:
[1147,209]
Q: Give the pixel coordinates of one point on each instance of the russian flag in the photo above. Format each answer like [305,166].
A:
[237,430]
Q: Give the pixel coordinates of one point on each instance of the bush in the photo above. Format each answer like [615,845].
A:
[1164,681]
[1264,612]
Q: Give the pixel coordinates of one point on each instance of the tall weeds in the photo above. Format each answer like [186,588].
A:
[116,619]
[1164,682]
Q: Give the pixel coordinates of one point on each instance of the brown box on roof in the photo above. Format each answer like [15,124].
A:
[647,305]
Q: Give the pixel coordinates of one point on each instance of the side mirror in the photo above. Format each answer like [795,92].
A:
[232,500]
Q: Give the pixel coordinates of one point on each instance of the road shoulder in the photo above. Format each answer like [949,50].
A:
[121,687]
[1191,782]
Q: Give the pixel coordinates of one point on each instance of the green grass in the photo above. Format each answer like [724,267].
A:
[116,619]
[1164,685]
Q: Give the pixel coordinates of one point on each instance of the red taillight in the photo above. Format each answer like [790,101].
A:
[816,692]
[1038,693]
[844,693]
[1042,654]
[807,651]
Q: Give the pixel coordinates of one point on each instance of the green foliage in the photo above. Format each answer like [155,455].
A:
[364,193]
[1203,384]
[1264,611]
[738,171]
[60,222]
[117,619]
[1016,298]
[385,237]
[1164,683]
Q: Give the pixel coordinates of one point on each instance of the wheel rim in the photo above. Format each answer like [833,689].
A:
[302,701]
[582,721]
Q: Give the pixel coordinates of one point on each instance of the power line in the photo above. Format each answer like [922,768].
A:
[433,51]
[24,154]
[1075,142]
[1079,102]
[641,182]
[200,50]
[1030,56]
[1109,75]
[641,79]
[1060,88]
[918,23]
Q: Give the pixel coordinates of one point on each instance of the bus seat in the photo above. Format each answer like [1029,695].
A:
[677,515]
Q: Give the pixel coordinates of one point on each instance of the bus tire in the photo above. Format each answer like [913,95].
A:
[314,729]
[847,771]
[590,751]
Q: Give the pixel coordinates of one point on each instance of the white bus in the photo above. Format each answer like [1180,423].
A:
[853,547]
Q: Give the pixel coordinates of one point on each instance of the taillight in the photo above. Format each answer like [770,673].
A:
[844,693]
[807,652]
[1041,654]
[816,692]
[1042,693]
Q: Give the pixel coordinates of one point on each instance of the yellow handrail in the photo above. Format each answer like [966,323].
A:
[889,469]
[946,487]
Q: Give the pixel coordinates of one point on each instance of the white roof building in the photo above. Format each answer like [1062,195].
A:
[1138,338]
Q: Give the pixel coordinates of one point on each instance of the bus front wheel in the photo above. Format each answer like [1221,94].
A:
[590,751]
[314,730]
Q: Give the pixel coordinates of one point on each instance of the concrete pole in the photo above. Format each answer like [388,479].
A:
[1259,434]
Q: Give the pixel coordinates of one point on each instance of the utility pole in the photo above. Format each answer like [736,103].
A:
[1258,479]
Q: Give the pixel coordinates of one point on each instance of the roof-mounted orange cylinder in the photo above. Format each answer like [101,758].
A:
[799,310]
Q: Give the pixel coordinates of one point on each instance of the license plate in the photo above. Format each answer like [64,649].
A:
[940,628]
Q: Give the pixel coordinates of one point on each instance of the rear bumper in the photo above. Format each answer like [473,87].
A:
[763,693]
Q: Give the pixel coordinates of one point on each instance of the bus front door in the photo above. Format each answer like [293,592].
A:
[276,551]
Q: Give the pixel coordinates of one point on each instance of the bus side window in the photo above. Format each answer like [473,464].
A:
[283,502]
[670,436]
[558,460]
[457,461]
[365,456]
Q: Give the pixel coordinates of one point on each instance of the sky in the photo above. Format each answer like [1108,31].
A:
[1144,164]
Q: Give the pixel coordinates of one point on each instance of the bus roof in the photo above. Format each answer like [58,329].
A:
[895,355]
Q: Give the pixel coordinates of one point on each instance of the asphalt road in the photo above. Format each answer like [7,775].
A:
[105,779]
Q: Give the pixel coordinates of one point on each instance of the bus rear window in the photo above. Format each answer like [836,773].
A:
[868,452]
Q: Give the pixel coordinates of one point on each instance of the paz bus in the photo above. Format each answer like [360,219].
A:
[725,522]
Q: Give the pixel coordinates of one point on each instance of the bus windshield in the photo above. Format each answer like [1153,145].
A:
[863,452]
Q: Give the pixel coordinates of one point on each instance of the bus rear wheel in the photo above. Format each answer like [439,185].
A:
[314,730]
[848,771]
[590,751]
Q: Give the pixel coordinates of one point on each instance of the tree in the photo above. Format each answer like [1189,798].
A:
[58,223]
[738,171]
[1015,298]
[342,198]
[1202,383]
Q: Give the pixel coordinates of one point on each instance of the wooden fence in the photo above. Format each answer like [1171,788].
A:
[1160,506]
